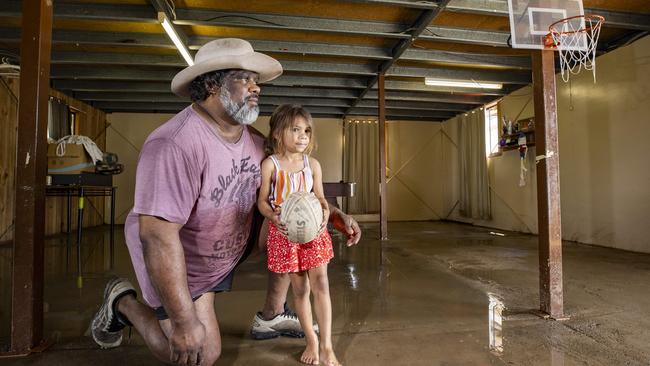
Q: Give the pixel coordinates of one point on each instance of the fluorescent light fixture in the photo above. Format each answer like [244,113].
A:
[171,32]
[462,84]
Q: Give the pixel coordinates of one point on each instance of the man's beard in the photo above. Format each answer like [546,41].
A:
[241,112]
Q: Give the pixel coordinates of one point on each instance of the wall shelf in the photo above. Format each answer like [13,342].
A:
[514,147]
[529,132]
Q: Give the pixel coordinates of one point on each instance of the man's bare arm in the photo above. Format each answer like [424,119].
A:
[165,262]
[345,224]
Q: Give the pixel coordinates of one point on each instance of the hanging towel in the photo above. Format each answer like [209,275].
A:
[90,147]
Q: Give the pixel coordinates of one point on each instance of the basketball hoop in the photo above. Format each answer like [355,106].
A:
[575,39]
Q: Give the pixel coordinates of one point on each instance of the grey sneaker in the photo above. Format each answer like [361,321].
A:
[107,325]
[284,324]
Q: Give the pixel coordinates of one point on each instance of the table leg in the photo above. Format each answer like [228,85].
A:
[69,212]
[67,230]
[80,218]
[112,235]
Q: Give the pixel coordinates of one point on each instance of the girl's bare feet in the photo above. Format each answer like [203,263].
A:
[328,358]
[310,355]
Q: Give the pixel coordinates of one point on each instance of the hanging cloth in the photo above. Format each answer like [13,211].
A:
[90,146]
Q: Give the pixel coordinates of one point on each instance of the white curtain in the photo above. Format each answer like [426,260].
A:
[474,199]
[361,165]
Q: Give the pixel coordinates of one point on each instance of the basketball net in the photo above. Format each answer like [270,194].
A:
[575,39]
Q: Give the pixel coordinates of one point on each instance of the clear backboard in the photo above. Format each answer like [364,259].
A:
[530,19]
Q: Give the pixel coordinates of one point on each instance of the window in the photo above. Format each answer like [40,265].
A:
[58,123]
[491,129]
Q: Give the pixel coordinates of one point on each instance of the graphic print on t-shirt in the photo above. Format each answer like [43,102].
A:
[235,196]
[225,181]
[229,244]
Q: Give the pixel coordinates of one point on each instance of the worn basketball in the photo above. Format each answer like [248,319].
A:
[303,215]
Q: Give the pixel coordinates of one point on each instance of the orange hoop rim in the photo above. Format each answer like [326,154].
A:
[593,17]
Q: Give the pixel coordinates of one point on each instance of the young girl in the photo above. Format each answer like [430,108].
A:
[290,169]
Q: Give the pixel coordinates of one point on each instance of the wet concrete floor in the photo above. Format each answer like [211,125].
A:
[436,293]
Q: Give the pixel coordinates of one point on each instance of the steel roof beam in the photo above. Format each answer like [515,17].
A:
[313,81]
[463,35]
[420,86]
[415,4]
[154,106]
[462,74]
[139,106]
[265,110]
[124,73]
[111,96]
[485,7]
[327,67]
[433,97]
[209,17]
[270,100]
[89,58]
[394,104]
[402,113]
[425,95]
[111,73]
[417,28]
[130,13]
[276,101]
[77,37]
[163,87]
[321,49]
[86,58]
[69,85]
[418,54]
[279,91]
[171,98]
[614,19]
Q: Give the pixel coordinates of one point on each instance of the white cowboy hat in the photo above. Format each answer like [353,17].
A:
[226,53]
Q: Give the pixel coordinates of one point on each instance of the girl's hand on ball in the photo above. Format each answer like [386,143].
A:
[282,227]
[326,216]
[275,219]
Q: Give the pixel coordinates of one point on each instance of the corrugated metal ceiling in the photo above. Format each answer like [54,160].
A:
[113,54]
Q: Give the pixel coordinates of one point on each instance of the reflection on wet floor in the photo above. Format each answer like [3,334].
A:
[66,304]
[495,321]
[435,294]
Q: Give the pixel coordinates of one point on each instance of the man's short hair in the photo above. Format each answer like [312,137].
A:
[204,85]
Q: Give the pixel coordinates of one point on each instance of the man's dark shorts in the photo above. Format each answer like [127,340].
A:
[226,284]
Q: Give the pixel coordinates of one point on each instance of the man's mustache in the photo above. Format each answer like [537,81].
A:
[256,96]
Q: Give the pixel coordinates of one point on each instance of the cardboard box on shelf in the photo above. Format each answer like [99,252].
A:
[74,161]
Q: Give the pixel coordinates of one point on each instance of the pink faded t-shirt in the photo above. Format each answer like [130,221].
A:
[188,175]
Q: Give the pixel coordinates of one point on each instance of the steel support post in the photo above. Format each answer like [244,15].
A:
[548,185]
